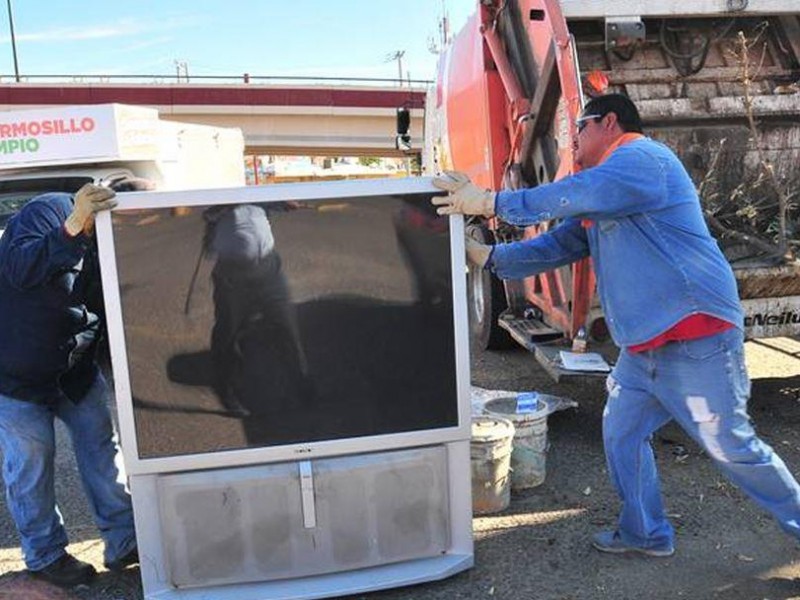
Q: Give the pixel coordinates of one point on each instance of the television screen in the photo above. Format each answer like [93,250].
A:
[263,324]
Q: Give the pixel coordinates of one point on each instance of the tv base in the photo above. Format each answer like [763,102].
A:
[306,529]
[334,584]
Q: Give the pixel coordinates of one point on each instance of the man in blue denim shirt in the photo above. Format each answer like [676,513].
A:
[47,370]
[671,304]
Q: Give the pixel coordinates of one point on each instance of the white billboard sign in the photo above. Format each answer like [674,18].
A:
[77,134]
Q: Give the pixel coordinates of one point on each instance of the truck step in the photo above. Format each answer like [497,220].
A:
[546,344]
[547,354]
[528,332]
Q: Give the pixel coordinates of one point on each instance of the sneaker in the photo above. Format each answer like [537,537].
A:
[125,561]
[609,541]
[67,571]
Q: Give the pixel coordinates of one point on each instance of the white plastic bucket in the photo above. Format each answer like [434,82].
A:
[529,455]
[490,458]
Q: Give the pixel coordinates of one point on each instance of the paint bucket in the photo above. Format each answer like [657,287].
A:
[490,457]
[528,458]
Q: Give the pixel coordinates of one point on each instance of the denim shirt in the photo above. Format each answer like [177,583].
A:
[654,257]
[47,334]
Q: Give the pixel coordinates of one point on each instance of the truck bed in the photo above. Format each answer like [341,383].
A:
[698,110]
[768,282]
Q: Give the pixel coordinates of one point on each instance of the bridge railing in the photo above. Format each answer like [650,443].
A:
[243,79]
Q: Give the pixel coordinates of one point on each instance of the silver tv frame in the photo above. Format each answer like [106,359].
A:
[144,474]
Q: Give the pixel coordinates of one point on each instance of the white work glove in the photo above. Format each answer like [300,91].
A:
[88,201]
[477,253]
[465,197]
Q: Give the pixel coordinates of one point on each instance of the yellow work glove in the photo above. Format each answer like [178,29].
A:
[465,197]
[88,201]
[477,253]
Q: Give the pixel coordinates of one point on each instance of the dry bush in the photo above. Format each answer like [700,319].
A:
[752,210]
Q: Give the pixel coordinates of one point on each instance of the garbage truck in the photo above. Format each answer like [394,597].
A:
[716,80]
[61,148]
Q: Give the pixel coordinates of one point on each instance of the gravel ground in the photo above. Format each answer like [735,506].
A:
[727,547]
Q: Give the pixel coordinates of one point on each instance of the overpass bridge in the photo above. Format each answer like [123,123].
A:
[313,120]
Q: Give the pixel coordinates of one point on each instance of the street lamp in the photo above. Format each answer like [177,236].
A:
[13,40]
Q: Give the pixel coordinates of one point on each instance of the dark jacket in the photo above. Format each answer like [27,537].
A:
[47,333]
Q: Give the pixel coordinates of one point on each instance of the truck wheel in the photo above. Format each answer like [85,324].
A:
[487,300]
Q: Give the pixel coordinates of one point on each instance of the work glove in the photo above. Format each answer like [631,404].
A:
[88,201]
[465,197]
[477,253]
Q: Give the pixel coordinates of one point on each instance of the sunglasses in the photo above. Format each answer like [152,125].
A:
[581,122]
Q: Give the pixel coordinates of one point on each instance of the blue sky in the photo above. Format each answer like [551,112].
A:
[344,38]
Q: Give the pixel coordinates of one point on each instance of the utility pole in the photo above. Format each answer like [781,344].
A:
[182,70]
[437,46]
[13,39]
[398,56]
[444,27]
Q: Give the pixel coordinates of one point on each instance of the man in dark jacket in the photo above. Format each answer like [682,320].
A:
[47,371]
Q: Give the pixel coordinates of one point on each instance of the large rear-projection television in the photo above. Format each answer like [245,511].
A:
[291,374]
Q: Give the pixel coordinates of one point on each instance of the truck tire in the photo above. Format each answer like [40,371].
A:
[487,300]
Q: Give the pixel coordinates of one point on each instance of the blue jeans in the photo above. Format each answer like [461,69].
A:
[27,440]
[703,385]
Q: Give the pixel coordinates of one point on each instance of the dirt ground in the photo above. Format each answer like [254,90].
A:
[539,548]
